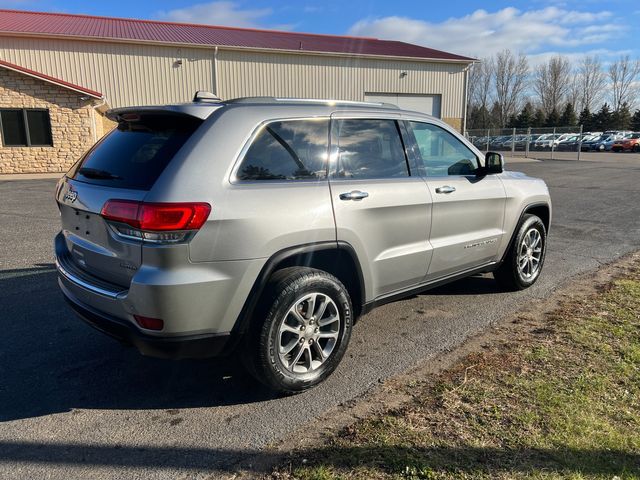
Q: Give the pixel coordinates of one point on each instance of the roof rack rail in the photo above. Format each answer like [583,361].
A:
[204,96]
[323,101]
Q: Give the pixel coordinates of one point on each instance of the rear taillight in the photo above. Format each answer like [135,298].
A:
[149,323]
[156,222]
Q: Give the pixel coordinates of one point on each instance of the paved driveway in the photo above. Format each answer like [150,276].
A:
[74,403]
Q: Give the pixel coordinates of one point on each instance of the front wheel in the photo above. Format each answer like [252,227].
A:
[524,260]
[303,331]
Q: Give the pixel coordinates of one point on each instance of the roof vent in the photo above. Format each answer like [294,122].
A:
[204,96]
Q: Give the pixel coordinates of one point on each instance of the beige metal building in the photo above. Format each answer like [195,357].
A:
[124,62]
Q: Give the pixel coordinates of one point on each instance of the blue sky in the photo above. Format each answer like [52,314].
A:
[540,28]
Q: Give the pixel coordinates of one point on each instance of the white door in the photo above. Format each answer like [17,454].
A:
[429,104]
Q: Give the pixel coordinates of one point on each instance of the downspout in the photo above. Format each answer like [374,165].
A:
[215,71]
[93,118]
[466,95]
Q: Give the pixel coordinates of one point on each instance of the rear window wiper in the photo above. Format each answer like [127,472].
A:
[98,174]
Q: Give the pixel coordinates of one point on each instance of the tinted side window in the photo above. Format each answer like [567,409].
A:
[368,149]
[287,150]
[441,152]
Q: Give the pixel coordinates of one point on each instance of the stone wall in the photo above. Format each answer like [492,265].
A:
[455,123]
[73,124]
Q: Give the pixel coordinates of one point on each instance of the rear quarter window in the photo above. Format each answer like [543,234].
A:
[287,150]
[136,152]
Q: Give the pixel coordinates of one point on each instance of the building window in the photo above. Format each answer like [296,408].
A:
[25,127]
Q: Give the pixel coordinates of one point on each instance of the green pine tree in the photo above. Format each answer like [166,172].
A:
[621,119]
[568,117]
[635,121]
[539,119]
[586,120]
[525,117]
[602,119]
[553,119]
[494,116]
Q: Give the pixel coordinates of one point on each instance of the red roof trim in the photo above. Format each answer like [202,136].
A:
[132,30]
[47,78]
[185,24]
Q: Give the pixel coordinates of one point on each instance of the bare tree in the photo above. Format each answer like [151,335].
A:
[551,83]
[574,91]
[510,74]
[591,80]
[480,78]
[623,75]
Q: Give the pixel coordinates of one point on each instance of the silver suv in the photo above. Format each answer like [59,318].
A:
[270,225]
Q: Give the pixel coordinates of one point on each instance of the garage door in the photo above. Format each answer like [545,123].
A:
[429,104]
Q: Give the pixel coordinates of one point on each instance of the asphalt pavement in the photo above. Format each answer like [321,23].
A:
[76,404]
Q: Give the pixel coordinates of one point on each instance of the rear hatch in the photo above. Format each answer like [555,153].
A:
[123,165]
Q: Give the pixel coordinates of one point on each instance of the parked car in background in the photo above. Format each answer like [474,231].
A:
[545,142]
[590,145]
[521,142]
[607,144]
[629,143]
[568,144]
[572,145]
[602,143]
[497,143]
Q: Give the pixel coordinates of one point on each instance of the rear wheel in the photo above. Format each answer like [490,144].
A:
[524,260]
[303,331]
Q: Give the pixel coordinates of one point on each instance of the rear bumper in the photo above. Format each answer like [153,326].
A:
[191,298]
[177,347]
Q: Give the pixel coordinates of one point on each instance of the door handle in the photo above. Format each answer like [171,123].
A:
[354,195]
[445,189]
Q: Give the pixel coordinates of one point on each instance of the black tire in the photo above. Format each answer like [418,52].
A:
[261,350]
[509,275]
[636,148]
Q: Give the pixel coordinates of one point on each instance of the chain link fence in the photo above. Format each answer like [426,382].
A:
[560,143]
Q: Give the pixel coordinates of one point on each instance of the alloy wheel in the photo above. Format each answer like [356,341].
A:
[308,333]
[530,254]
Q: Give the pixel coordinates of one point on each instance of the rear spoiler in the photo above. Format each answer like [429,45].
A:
[198,110]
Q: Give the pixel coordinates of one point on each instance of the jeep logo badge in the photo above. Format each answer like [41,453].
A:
[71,195]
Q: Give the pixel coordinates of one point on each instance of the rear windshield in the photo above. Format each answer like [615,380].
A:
[136,152]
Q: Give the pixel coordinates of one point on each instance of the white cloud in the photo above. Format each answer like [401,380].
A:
[483,33]
[606,56]
[218,13]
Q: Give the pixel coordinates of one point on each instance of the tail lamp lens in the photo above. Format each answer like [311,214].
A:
[149,323]
[157,217]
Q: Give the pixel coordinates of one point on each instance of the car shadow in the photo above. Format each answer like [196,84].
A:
[53,362]
[467,461]
[481,284]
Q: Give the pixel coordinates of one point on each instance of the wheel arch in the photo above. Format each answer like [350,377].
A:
[337,258]
[540,209]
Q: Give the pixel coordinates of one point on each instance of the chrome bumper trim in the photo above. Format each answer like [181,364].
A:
[87,286]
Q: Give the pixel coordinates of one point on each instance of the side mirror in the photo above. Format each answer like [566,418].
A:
[493,163]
